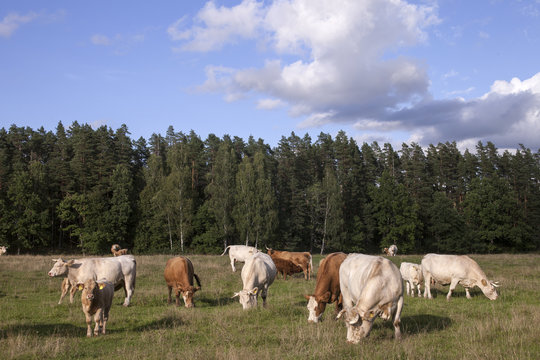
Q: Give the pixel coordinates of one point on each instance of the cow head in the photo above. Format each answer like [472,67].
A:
[357,327]
[269,251]
[90,289]
[489,288]
[3,249]
[187,295]
[316,306]
[60,267]
[248,298]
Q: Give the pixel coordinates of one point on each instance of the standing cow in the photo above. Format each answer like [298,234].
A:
[390,251]
[179,275]
[120,271]
[371,286]
[453,270]
[96,299]
[239,253]
[302,259]
[258,274]
[327,289]
[412,275]
[286,267]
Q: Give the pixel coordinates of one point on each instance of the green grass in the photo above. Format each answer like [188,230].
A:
[33,325]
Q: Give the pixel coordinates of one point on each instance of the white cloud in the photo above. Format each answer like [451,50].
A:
[269,104]
[11,22]
[99,39]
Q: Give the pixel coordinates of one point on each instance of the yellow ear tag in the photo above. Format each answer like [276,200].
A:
[371,315]
[81,287]
[101,286]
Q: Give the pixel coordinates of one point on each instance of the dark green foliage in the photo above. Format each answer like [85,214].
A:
[83,189]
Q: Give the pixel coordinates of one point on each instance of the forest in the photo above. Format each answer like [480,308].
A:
[81,189]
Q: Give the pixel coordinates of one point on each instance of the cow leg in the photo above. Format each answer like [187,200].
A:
[305,273]
[409,288]
[233,260]
[264,292]
[397,318]
[72,294]
[169,300]
[177,297]
[129,287]
[98,319]
[88,325]
[452,287]
[418,288]
[427,286]
[467,293]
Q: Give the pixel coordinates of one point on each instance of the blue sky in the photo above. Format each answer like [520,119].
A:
[386,70]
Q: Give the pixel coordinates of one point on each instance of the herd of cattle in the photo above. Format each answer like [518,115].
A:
[363,287]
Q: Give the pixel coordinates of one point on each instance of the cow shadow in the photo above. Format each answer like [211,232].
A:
[424,323]
[215,301]
[44,330]
[167,322]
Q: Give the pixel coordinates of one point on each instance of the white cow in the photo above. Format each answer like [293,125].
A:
[412,275]
[390,251]
[371,286]
[120,271]
[239,253]
[3,250]
[453,270]
[258,274]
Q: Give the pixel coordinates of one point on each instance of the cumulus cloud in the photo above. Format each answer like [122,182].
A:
[338,63]
[11,22]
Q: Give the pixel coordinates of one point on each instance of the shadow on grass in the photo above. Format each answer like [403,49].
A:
[424,323]
[459,292]
[212,302]
[166,322]
[44,330]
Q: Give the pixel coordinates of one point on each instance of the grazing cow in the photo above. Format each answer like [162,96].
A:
[302,259]
[3,250]
[286,267]
[115,249]
[179,275]
[67,286]
[120,271]
[453,270]
[412,275]
[239,253]
[258,274]
[371,286]
[96,299]
[327,288]
[390,251]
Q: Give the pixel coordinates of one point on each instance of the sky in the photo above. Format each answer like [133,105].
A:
[391,71]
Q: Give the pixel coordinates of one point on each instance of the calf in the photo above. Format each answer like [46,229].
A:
[286,267]
[239,253]
[179,275]
[371,286]
[327,289]
[390,251]
[302,259]
[115,249]
[96,299]
[412,275]
[3,250]
[258,274]
[67,286]
[453,270]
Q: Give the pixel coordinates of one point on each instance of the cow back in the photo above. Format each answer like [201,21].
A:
[179,271]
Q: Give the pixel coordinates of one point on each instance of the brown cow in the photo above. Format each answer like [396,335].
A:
[96,299]
[179,275]
[286,267]
[115,249]
[327,288]
[302,259]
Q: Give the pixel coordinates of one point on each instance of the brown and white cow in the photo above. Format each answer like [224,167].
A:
[327,289]
[115,249]
[239,253]
[96,299]
[258,274]
[179,276]
[302,259]
[412,275]
[3,250]
[454,270]
[390,251]
[286,267]
[120,271]
[371,287]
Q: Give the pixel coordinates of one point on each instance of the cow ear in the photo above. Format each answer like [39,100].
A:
[101,286]
[235,295]
[254,291]
[484,282]
[197,288]
[307,297]
[355,319]
[70,262]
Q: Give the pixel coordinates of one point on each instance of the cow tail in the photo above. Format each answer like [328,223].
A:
[197,279]
[227,248]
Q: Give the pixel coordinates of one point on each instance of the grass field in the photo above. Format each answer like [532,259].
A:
[33,325]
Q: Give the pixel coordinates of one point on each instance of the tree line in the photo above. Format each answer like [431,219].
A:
[83,189]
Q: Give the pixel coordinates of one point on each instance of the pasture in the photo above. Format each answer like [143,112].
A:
[33,325]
